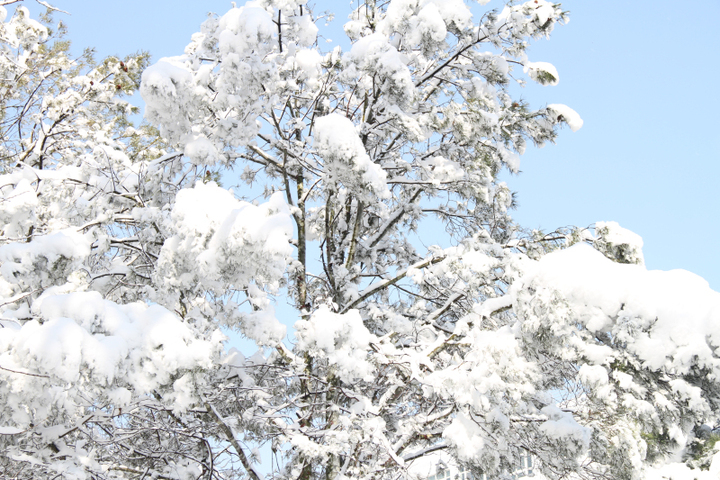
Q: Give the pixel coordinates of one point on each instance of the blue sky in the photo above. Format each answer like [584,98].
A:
[643,75]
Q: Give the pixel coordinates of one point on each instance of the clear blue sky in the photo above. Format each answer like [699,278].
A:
[642,74]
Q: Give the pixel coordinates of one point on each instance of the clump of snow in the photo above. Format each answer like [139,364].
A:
[19,200]
[221,244]
[242,29]
[375,56]
[680,471]
[307,31]
[166,89]
[81,337]
[613,233]
[668,320]
[427,24]
[424,22]
[23,31]
[200,150]
[442,170]
[455,12]
[566,114]
[466,436]
[511,159]
[492,376]
[594,375]
[22,258]
[618,243]
[10,430]
[309,65]
[533,18]
[341,338]
[346,160]
[220,240]
[430,25]
[562,425]
[542,72]
[183,395]
[629,330]
[263,327]
[166,78]
[490,305]
[543,11]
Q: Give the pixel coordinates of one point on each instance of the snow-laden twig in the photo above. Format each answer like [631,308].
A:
[230,437]
[386,283]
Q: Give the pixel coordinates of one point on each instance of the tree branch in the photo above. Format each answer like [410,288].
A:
[384,284]
[227,430]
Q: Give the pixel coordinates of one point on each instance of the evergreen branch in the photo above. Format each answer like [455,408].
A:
[144,473]
[24,373]
[18,297]
[230,436]
[396,217]
[424,452]
[355,234]
[450,301]
[391,281]
[447,62]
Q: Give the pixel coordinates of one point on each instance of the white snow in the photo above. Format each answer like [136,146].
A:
[166,89]
[83,336]
[562,425]
[341,338]
[200,150]
[568,115]
[676,311]
[544,11]
[614,233]
[164,79]
[19,200]
[22,257]
[441,169]
[307,31]
[308,61]
[455,12]
[221,243]
[74,335]
[10,430]
[680,471]
[466,436]
[539,72]
[243,28]
[374,55]
[346,160]
[430,24]
[221,239]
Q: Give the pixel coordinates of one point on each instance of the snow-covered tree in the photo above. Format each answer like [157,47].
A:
[125,260]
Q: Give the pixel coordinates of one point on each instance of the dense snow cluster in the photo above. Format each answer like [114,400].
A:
[223,243]
[346,161]
[341,339]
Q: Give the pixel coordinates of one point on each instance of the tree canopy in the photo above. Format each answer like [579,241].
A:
[127,259]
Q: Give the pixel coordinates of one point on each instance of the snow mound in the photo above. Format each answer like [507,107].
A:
[567,115]
[346,160]
[341,338]
[668,319]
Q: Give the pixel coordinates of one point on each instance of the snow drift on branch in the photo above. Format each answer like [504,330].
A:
[567,115]
[165,88]
[220,241]
[345,158]
[83,339]
[677,311]
[341,338]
